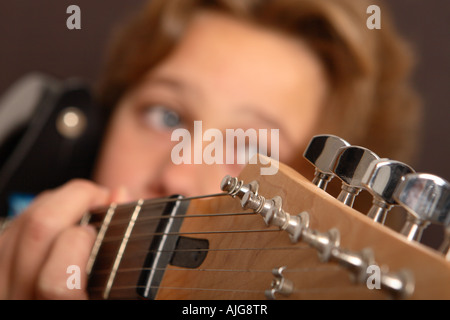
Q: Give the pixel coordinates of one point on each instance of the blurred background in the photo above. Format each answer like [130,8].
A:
[34,37]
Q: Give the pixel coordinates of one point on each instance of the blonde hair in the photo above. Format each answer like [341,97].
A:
[371,102]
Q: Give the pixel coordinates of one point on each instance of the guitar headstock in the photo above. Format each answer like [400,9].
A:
[370,252]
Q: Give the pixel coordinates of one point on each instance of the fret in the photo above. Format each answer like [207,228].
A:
[162,243]
[100,236]
[115,257]
[122,247]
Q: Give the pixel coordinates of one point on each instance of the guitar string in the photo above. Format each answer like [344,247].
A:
[301,246]
[352,288]
[101,211]
[147,236]
[321,268]
[173,288]
[163,217]
[165,200]
[298,247]
[336,269]
[150,202]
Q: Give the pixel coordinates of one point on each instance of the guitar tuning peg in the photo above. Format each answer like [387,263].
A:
[265,207]
[321,153]
[381,179]
[273,214]
[279,284]
[445,246]
[237,188]
[352,162]
[426,198]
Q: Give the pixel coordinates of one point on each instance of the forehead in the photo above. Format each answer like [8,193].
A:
[216,45]
[228,63]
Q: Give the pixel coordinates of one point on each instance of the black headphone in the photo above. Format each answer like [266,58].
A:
[50,132]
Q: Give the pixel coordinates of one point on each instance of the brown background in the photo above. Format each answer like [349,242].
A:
[34,37]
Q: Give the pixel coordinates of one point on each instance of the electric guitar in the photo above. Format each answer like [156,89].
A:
[296,242]
[264,237]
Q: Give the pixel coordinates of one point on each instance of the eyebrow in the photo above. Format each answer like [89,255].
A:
[266,118]
[172,83]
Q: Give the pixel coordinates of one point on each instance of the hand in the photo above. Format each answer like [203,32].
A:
[39,245]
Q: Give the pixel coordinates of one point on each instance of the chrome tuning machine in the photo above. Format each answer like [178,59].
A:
[237,188]
[351,165]
[445,246]
[280,285]
[273,214]
[426,198]
[381,179]
[321,153]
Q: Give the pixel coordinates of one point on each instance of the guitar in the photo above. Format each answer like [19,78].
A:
[264,237]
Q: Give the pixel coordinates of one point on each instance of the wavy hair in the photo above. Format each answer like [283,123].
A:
[371,101]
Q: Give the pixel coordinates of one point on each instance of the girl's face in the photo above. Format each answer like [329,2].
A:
[228,74]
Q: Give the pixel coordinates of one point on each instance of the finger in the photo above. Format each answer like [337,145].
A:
[63,275]
[120,195]
[8,242]
[42,222]
[7,249]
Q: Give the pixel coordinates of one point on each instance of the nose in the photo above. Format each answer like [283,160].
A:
[177,179]
[192,176]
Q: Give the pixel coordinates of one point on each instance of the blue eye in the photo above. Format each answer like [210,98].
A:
[161,118]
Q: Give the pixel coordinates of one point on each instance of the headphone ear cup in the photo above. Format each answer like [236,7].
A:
[57,140]
[17,106]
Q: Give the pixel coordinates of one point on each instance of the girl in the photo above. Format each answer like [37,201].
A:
[303,67]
